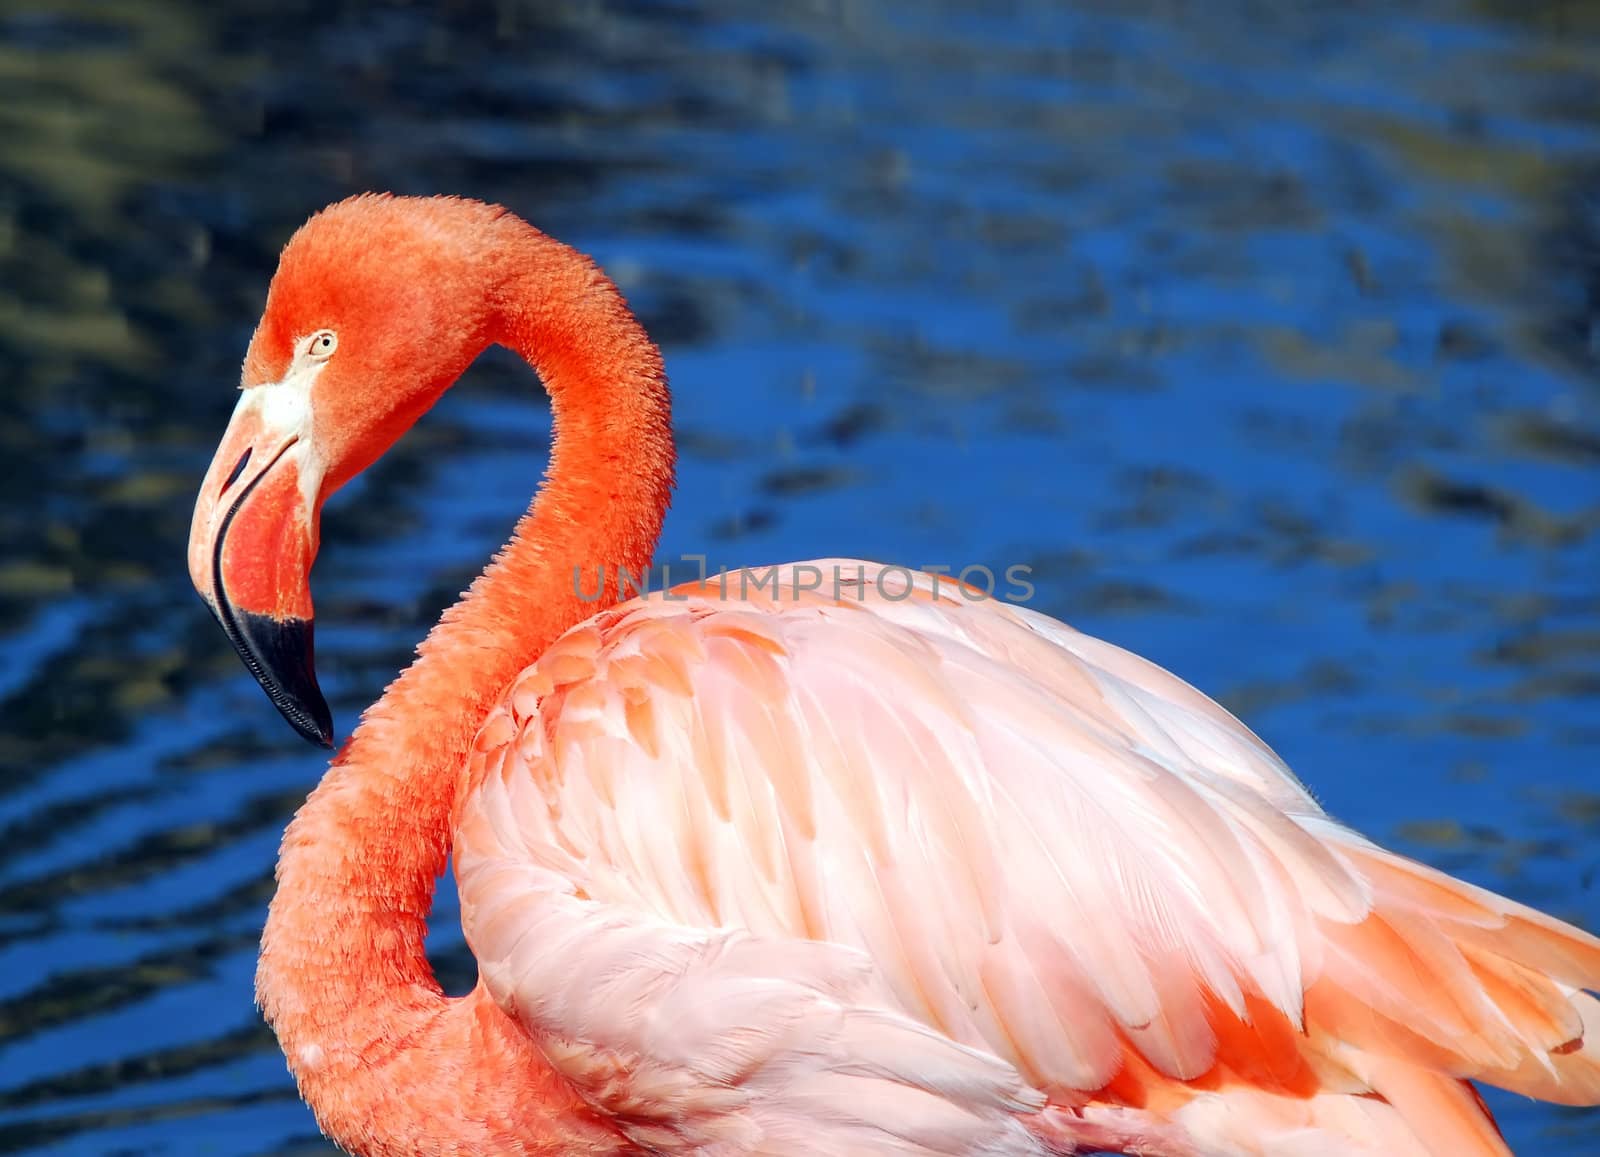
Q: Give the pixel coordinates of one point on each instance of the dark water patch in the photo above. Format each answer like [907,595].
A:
[1544,648]
[1031,418]
[143,1068]
[308,1147]
[1077,595]
[1362,353]
[1127,597]
[43,826]
[149,856]
[851,425]
[800,481]
[1563,685]
[1480,725]
[1466,498]
[22,1136]
[712,446]
[244,899]
[456,968]
[1229,196]
[1513,513]
[73,994]
[756,520]
[1160,496]
[1571,264]
[932,372]
[228,751]
[1554,440]
[1319,681]
[1462,341]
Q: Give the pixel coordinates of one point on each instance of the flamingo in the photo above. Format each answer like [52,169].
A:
[871,867]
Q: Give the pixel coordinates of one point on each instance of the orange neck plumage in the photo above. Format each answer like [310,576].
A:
[380,1053]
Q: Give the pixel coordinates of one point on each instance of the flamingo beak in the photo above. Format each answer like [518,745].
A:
[251,546]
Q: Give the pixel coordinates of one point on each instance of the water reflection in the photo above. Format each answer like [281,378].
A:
[1267,338]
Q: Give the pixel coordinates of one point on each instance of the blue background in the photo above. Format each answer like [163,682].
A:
[1265,333]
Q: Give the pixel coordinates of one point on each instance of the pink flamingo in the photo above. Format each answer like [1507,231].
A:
[870,869]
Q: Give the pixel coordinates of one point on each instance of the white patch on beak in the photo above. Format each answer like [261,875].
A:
[284,411]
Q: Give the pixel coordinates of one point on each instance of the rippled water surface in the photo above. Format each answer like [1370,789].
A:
[1266,334]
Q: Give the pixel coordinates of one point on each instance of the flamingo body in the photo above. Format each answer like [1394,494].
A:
[873,866]
[920,863]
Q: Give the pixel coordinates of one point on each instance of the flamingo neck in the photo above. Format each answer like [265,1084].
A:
[383,1057]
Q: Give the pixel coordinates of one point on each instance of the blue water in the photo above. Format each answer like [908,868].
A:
[1265,334]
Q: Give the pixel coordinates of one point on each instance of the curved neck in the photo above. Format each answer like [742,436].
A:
[381,1055]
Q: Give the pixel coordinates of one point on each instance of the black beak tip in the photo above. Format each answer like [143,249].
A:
[288,655]
[281,654]
[312,720]
[320,729]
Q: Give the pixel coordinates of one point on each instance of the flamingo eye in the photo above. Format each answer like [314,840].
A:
[322,344]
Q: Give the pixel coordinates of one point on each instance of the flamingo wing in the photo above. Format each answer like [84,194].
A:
[877,868]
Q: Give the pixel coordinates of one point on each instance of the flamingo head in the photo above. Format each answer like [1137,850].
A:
[378,304]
